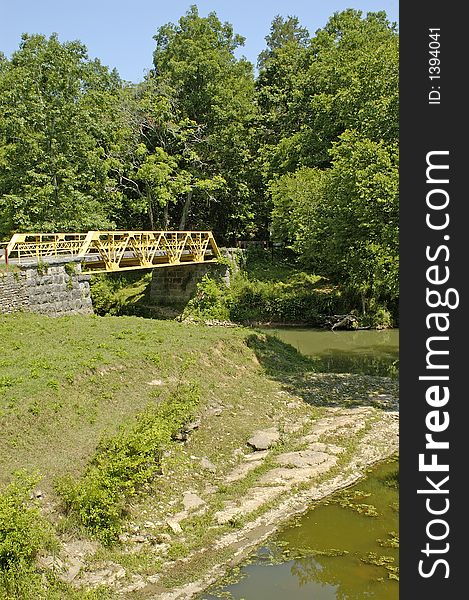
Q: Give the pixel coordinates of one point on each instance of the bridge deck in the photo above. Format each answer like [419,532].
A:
[102,251]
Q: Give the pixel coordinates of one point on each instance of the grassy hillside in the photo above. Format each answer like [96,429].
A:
[64,382]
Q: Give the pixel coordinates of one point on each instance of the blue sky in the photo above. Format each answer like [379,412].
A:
[120,33]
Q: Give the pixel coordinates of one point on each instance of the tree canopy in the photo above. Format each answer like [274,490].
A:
[303,153]
[56,126]
[213,91]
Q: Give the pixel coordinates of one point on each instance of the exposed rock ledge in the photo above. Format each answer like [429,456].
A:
[308,468]
[308,456]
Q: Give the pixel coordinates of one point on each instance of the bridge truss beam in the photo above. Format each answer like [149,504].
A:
[102,251]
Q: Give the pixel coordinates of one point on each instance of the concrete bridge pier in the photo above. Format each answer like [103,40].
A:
[178,284]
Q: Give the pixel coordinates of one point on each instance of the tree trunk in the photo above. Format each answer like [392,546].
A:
[150,211]
[185,211]
[56,187]
[54,167]
[166,216]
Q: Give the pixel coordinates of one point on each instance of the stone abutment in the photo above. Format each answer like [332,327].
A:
[54,288]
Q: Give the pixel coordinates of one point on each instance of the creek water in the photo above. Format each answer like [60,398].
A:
[371,352]
[346,547]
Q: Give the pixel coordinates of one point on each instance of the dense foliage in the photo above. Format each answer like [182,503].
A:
[123,463]
[303,154]
[300,299]
[56,128]
[24,532]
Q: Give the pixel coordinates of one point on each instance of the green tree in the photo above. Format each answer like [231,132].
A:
[345,78]
[333,171]
[282,32]
[56,124]
[152,162]
[343,221]
[280,66]
[213,94]
[144,165]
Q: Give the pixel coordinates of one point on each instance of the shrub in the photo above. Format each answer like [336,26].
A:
[378,316]
[70,269]
[42,267]
[272,290]
[23,530]
[102,295]
[21,582]
[211,301]
[123,463]
[297,300]
[117,293]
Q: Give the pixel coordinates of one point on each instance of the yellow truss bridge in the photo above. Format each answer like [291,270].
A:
[102,251]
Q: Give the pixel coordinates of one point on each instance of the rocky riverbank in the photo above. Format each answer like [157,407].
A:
[216,509]
[303,477]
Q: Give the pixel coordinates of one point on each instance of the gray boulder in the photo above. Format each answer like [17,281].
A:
[263,440]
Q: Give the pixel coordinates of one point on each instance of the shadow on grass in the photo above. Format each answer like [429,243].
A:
[301,377]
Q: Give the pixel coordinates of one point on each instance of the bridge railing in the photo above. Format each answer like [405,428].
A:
[40,245]
[102,251]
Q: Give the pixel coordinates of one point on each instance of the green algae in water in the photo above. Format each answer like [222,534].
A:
[349,499]
[332,552]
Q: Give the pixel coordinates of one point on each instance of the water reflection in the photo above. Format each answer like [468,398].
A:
[370,352]
[338,550]
[328,553]
[384,364]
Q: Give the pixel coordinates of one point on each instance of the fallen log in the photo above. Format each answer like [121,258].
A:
[345,322]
